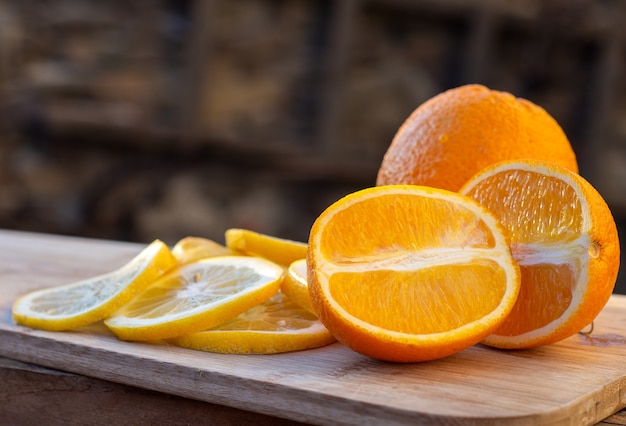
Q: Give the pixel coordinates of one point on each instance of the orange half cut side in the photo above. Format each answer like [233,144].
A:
[565,240]
[407,273]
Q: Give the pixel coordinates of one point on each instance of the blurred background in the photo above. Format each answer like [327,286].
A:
[135,120]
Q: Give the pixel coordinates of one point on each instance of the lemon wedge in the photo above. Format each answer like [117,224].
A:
[197,296]
[278,250]
[275,326]
[87,301]
[190,249]
[295,284]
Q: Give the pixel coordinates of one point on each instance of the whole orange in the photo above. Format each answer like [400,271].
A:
[457,133]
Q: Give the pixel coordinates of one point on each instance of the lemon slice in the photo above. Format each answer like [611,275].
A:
[190,249]
[275,326]
[197,296]
[296,286]
[84,302]
[278,250]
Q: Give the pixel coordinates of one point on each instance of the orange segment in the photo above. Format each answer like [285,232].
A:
[406,273]
[439,313]
[565,240]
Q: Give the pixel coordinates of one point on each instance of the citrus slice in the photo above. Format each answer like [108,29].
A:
[275,326]
[190,249]
[565,240]
[197,296]
[408,273]
[278,250]
[87,301]
[295,284]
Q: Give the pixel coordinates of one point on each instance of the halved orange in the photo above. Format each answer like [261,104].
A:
[565,240]
[408,273]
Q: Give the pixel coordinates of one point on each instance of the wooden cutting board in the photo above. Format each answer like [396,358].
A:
[579,381]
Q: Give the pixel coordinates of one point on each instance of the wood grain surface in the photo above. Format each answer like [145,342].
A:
[575,382]
[33,395]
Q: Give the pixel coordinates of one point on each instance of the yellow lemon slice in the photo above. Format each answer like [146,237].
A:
[190,249]
[295,284]
[197,296]
[275,326]
[278,250]
[87,301]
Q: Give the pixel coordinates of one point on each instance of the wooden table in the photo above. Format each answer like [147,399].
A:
[90,377]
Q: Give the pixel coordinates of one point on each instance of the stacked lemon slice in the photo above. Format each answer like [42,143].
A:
[200,295]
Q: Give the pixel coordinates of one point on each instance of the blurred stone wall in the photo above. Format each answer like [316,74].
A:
[134,120]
